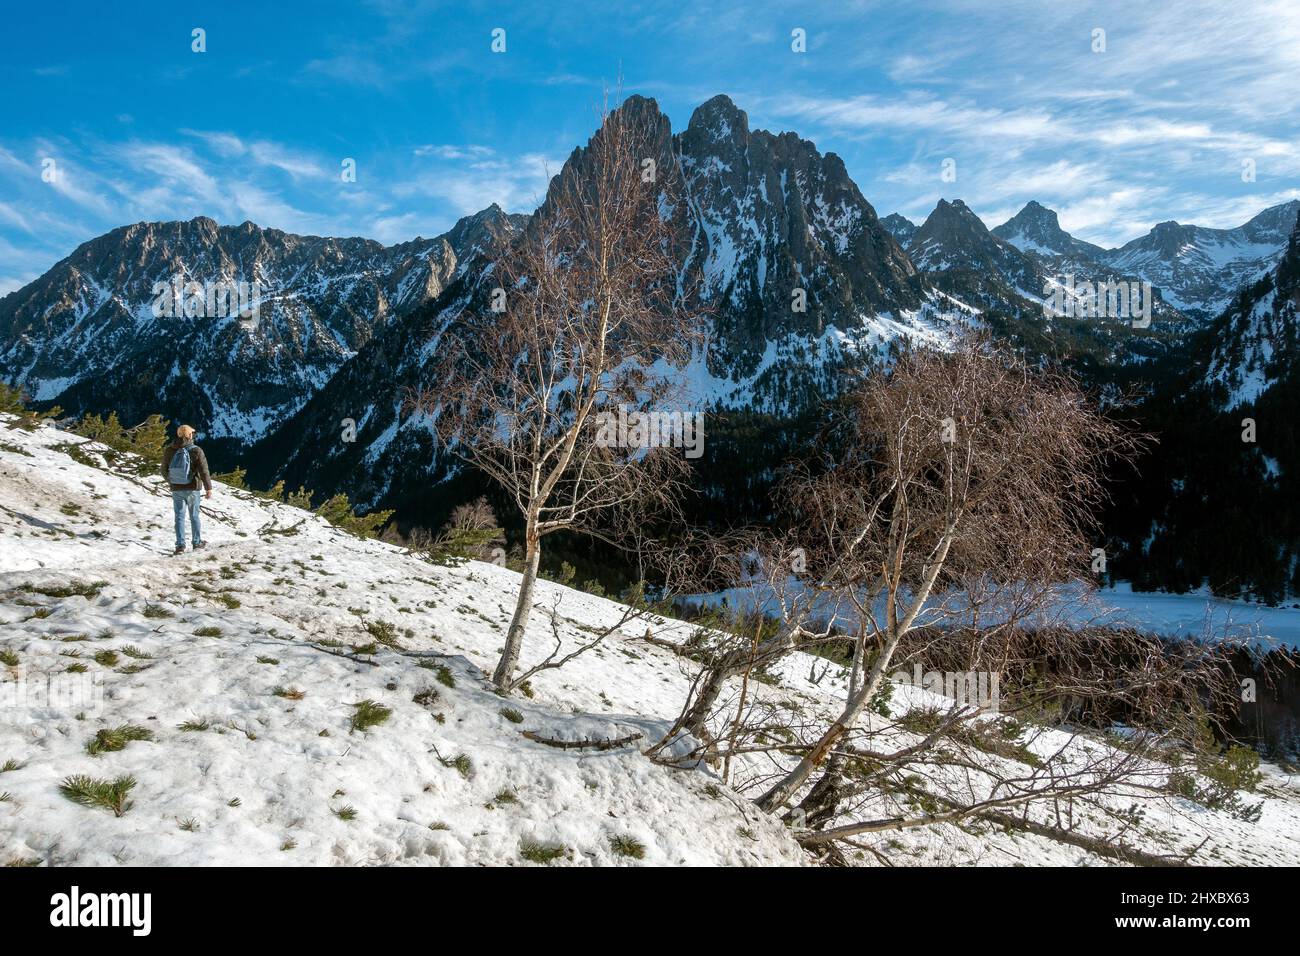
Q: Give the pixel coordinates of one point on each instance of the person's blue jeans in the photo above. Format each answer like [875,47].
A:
[182,500]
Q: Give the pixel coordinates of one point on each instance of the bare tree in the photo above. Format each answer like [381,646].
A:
[969,484]
[954,527]
[586,312]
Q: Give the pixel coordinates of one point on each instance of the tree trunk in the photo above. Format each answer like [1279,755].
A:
[784,790]
[503,677]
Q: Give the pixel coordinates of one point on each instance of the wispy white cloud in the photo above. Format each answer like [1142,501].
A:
[471,178]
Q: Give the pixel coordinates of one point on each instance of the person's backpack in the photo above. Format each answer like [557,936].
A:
[181,469]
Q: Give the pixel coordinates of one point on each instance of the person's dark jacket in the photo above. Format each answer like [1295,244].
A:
[198,466]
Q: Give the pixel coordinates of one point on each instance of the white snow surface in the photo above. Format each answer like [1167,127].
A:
[277,601]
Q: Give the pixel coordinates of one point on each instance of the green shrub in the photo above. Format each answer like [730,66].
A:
[148,439]
[113,739]
[101,794]
[14,401]
[627,846]
[543,853]
[368,713]
[339,512]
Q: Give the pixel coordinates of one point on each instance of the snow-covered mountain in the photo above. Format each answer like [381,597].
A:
[1036,229]
[1254,346]
[965,259]
[88,333]
[346,325]
[900,227]
[762,215]
[1198,270]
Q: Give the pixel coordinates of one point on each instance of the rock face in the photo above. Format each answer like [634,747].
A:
[772,215]
[87,334]
[966,260]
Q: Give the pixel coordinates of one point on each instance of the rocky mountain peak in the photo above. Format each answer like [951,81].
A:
[900,227]
[952,230]
[1037,229]
[721,118]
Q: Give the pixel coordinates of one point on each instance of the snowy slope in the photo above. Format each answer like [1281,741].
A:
[296,590]
[279,601]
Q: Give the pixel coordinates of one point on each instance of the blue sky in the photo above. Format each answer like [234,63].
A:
[140,127]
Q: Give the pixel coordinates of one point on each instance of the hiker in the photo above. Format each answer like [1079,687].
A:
[186,467]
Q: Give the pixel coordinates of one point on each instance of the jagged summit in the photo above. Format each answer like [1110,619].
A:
[1037,229]
[721,115]
[900,227]
[953,236]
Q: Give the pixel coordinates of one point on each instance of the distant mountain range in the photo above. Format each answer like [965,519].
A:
[344,326]
[87,333]
[1198,270]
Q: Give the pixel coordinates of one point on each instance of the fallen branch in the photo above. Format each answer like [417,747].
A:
[605,744]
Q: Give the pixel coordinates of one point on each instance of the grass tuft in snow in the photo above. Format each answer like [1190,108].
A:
[189,825]
[193,726]
[76,589]
[346,813]
[383,632]
[627,846]
[288,693]
[512,715]
[10,765]
[462,765]
[9,658]
[208,631]
[156,611]
[541,852]
[268,660]
[368,713]
[107,658]
[444,676]
[98,793]
[132,651]
[112,739]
